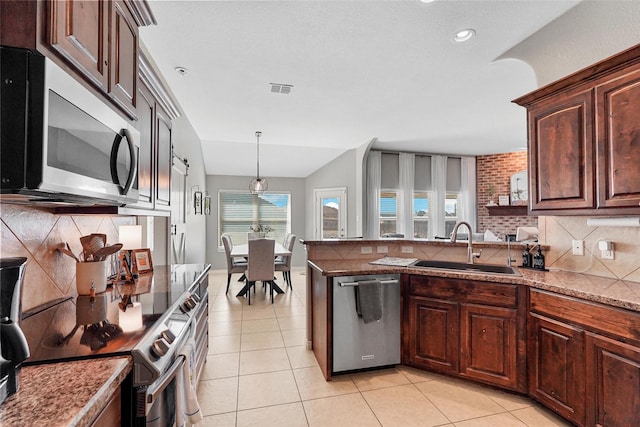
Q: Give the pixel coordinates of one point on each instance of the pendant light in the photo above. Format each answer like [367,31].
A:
[258,185]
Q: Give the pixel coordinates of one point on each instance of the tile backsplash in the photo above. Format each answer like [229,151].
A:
[558,232]
[35,234]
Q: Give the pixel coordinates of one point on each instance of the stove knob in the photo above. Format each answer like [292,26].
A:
[159,348]
[190,303]
[168,336]
[185,307]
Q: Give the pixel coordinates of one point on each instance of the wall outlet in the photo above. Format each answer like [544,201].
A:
[407,249]
[383,249]
[607,254]
[366,250]
[606,249]
[577,247]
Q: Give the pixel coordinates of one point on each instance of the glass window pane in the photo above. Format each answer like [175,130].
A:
[330,217]
[420,229]
[420,204]
[388,226]
[388,204]
[451,206]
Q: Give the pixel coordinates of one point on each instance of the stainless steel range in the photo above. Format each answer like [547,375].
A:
[161,322]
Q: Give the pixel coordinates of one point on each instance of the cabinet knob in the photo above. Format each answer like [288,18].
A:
[484,331]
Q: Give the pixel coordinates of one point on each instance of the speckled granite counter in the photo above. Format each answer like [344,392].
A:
[64,394]
[614,292]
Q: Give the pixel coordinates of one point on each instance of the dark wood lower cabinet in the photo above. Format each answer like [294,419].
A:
[614,378]
[488,344]
[557,367]
[433,325]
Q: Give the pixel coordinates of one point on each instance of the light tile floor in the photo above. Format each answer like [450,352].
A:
[258,373]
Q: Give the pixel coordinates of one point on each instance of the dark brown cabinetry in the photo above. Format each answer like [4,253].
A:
[584,359]
[468,328]
[95,40]
[583,140]
[163,172]
[110,416]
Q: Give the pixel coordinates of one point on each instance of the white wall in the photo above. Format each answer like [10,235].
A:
[187,144]
[295,186]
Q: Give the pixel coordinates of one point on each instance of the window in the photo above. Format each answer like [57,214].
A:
[451,212]
[421,214]
[388,212]
[239,211]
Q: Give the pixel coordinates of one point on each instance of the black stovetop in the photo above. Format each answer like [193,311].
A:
[83,327]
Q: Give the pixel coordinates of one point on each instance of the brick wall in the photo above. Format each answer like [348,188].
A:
[497,169]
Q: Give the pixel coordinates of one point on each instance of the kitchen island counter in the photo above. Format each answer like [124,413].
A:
[64,394]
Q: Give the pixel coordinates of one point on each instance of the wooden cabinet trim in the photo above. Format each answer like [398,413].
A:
[469,291]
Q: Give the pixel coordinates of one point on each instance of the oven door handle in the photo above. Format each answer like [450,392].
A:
[156,389]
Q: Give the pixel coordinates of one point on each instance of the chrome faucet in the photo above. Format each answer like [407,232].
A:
[509,259]
[454,236]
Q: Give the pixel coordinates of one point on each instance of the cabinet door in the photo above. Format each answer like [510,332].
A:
[557,367]
[78,33]
[561,153]
[163,170]
[488,344]
[145,125]
[433,329]
[619,140]
[124,58]
[614,372]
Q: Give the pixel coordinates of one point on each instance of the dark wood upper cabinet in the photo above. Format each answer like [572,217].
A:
[123,74]
[584,140]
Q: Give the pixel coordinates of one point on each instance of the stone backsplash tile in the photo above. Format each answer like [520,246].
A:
[35,234]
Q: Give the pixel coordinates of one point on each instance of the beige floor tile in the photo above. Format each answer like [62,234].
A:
[348,410]
[416,375]
[225,303]
[259,361]
[291,310]
[218,396]
[293,322]
[260,390]
[219,329]
[312,385]
[372,380]
[502,420]
[458,401]
[294,337]
[509,401]
[221,366]
[258,313]
[225,316]
[224,344]
[222,420]
[535,416]
[259,325]
[289,415]
[403,406]
[261,341]
[300,357]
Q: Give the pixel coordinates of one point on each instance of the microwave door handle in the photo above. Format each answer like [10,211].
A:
[124,133]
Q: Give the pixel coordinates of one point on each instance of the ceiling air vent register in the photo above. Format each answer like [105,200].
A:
[280,88]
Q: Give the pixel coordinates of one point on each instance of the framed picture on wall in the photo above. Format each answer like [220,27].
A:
[142,260]
[503,200]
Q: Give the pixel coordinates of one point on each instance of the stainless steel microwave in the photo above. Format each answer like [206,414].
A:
[59,141]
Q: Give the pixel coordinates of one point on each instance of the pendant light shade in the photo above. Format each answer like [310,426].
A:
[258,185]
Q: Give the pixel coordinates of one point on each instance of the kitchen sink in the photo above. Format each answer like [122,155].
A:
[464,267]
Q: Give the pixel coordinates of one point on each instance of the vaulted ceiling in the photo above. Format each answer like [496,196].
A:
[387,71]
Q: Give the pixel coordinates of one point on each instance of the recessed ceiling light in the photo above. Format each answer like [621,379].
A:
[181,70]
[464,35]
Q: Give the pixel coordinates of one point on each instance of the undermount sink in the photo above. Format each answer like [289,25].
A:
[467,268]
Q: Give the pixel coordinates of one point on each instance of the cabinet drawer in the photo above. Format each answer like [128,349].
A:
[464,291]
[613,321]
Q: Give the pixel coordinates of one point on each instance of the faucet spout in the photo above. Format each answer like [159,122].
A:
[454,237]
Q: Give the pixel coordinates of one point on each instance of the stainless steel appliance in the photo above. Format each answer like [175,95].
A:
[173,309]
[359,345]
[60,142]
[13,344]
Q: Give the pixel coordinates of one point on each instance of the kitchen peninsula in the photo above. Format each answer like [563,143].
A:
[570,341]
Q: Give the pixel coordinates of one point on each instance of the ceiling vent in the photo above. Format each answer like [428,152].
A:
[280,88]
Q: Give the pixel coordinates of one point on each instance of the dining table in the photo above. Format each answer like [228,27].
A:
[242,250]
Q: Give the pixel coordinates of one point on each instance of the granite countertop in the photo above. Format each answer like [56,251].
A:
[613,292]
[65,393]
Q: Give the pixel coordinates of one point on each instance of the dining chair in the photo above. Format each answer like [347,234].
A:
[260,266]
[233,265]
[283,263]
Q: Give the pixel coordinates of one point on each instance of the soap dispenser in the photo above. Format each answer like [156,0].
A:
[538,260]
[526,257]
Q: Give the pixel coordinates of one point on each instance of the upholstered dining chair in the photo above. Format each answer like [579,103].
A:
[260,266]
[233,265]
[283,263]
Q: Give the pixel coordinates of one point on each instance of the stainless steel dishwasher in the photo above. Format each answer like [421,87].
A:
[359,345]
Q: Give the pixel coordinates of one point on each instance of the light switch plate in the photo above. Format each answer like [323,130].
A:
[366,250]
[383,249]
[407,249]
